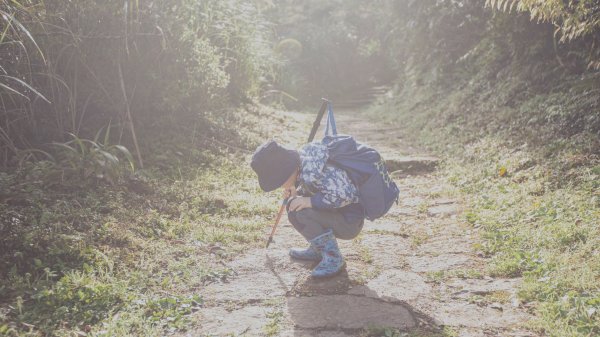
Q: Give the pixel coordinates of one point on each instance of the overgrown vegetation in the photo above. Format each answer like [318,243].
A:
[514,109]
[75,67]
[131,258]
[122,125]
[331,48]
[120,144]
[572,19]
[539,217]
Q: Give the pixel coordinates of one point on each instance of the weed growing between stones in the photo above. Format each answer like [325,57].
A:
[273,326]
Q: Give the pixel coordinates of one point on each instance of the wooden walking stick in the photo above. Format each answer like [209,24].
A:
[313,132]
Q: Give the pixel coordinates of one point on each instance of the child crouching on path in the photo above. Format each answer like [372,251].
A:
[322,200]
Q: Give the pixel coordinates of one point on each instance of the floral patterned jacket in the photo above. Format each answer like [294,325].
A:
[327,185]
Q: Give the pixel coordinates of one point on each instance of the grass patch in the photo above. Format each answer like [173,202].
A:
[418,238]
[539,227]
[535,199]
[273,326]
[129,259]
[364,253]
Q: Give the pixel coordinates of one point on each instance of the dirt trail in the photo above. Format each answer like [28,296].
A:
[414,270]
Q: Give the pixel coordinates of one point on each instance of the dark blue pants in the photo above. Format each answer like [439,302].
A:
[313,222]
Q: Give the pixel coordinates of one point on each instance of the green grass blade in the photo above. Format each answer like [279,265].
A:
[112,159]
[23,83]
[23,154]
[127,155]
[25,31]
[6,87]
[5,31]
[97,136]
[79,142]
[66,147]
[107,134]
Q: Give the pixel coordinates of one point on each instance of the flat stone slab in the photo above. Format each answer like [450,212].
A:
[401,212]
[348,312]
[474,316]
[484,286]
[258,286]
[472,332]
[247,321]
[411,201]
[443,201]
[388,251]
[442,210]
[338,284]
[274,268]
[457,245]
[385,225]
[395,285]
[421,264]
[272,257]
[412,165]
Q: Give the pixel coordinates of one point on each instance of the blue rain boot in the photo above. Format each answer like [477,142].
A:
[332,262]
[308,254]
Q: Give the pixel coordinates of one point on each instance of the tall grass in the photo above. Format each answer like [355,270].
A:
[71,67]
[574,20]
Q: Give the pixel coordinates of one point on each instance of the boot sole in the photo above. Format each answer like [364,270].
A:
[330,275]
[308,260]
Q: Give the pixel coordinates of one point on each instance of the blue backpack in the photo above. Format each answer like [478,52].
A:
[366,168]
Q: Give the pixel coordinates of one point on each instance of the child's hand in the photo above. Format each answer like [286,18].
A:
[298,204]
[289,193]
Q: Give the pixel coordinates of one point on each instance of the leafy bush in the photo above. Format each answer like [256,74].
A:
[573,20]
[79,298]
[331,48]
[130,62]
[91,158]
[172,311]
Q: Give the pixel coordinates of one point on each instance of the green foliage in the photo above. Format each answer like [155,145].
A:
[538,219]
[498,73]
[129,259]
[92,158]
[273,326]
[172,311]
[126,258]
[573,20]
[330,48]
[346,46]
[14,32]
[515,115]
[77,297]
[540,230]
[168,59]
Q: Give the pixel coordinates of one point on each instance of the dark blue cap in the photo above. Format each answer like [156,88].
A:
[274,164]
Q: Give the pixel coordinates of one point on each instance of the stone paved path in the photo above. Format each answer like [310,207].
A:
[414,270]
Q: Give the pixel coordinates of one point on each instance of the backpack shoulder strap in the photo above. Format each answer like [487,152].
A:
[330,122]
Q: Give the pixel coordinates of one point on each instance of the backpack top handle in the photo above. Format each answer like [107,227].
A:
[331,128]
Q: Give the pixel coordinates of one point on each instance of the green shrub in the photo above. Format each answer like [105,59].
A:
[84,158]
[78,298]
[71,67]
